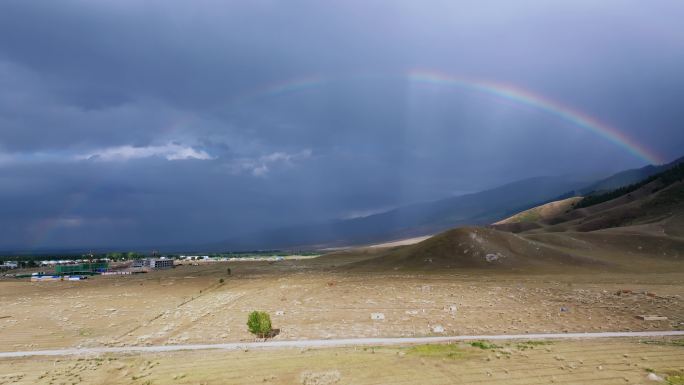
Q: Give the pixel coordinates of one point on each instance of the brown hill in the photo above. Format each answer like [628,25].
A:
[643,229]
[649,205]
[476,248]
[656,204]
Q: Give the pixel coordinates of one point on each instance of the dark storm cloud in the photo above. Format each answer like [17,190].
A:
[137,123]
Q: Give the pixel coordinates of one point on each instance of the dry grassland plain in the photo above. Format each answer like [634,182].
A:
[312,299]
[612,361]
[190,304]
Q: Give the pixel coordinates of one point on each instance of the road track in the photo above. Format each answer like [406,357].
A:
[331,343]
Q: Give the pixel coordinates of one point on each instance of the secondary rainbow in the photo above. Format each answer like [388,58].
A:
[500,90]
[528,98]
[281,88]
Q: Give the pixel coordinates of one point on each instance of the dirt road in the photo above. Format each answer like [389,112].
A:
[331,343]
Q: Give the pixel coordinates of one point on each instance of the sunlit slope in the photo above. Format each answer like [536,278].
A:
[536,217]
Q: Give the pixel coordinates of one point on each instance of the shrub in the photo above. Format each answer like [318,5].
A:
[438,351]
[484,345]
[259,323]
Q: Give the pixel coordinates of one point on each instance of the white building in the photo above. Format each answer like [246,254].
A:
[161,263]
[138,263]
[10,265]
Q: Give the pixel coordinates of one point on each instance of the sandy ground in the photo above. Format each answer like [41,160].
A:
[613,361]
[190,305]
[401,242]
[273,344]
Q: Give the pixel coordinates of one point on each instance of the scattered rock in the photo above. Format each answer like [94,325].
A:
[494,257]
[320,378]
[377,316]
[654,377]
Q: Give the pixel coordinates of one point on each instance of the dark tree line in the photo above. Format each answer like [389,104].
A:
[667,177]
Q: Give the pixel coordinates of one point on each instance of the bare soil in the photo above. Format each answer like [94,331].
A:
[311,299]
[613,361]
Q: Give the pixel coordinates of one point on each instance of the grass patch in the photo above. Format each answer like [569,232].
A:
[484,345]
[438,351]
[674,377]
[678,342]
[531,344]
[529,216]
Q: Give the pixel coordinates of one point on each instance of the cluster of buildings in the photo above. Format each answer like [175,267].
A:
[195,257]
[35,277]
[51,263]
[153,263]
[9,265]
[274,258]
[75,270]
[82,268]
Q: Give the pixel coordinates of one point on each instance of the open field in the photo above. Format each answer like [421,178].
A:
[446,285]
[189,304]
[611,361]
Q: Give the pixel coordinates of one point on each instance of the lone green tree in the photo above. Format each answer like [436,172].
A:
[259,323]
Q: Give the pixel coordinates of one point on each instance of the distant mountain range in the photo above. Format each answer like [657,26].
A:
[481,208]
[635,228]
[627,177]
[418,219]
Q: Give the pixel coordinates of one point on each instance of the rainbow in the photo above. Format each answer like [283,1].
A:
[280,88]
[499,90]
[294,85]
[45,227]
[547,105]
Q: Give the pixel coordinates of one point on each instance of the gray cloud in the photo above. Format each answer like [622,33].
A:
[141,123]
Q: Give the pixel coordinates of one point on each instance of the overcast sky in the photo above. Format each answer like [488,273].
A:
[164,122]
